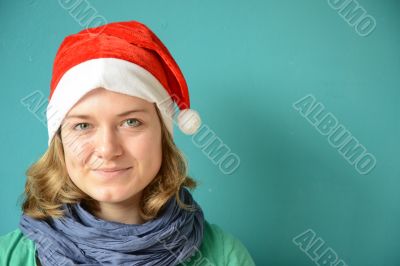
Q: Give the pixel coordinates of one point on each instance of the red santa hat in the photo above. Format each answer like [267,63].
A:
[125,57]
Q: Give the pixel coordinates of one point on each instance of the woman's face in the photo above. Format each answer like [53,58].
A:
[112,145]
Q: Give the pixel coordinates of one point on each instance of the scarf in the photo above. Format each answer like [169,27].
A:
[83,239]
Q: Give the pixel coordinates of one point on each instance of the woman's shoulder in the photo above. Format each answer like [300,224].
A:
[16,249]
[220,248]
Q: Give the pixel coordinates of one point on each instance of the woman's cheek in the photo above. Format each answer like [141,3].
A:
[146,148]
[153,152]
[79,152]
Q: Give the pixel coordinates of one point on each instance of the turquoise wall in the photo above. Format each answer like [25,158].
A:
[274,81]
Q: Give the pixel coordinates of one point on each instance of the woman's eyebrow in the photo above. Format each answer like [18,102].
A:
[119,115]
[132,111]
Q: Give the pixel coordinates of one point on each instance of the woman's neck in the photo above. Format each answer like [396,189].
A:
[126,212]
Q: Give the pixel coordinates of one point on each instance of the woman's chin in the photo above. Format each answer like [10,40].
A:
[110,195]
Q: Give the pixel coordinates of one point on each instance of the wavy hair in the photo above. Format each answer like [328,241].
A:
[48,185]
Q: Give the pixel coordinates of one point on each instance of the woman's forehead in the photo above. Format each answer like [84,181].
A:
[102,100]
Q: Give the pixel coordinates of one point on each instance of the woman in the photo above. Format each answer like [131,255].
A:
[112,187]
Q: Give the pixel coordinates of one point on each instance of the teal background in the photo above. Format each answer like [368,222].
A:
[246,63]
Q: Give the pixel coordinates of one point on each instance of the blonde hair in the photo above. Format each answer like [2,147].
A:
[48,185]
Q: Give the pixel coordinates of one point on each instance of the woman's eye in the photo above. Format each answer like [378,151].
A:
[133,122]
[81,126]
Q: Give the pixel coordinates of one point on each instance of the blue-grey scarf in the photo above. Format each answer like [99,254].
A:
[79,238]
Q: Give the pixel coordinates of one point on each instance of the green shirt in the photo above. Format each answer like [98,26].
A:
[218,248]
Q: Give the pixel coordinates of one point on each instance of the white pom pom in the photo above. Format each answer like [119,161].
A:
[189,121]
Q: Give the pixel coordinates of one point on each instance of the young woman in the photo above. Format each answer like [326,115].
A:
[112,187]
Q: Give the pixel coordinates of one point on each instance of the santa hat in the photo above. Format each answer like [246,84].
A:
[124,57]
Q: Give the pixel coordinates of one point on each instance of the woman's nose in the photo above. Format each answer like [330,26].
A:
[107,144]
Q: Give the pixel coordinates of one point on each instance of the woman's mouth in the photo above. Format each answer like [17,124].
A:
[109,173]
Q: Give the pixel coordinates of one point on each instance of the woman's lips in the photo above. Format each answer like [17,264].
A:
[112,173]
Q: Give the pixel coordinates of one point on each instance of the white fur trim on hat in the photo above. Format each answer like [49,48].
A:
[110,73]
